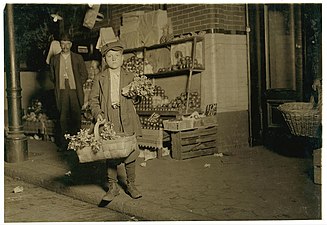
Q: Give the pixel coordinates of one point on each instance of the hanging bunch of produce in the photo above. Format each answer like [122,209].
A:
[140,86]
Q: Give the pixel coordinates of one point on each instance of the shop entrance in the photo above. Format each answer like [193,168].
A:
[277,65]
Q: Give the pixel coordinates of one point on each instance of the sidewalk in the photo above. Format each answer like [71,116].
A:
[248,184]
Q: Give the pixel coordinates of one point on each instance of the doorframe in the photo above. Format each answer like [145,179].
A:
[259,59]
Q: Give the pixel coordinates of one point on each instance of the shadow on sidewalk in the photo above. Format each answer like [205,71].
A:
[82,173]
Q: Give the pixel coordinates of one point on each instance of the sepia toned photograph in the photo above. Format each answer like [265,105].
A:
[184,112]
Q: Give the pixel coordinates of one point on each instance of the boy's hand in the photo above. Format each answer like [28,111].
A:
[100,119]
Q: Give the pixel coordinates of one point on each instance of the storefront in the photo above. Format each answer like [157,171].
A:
[204,58]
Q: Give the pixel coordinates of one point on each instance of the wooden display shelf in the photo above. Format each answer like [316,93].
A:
[174,73]
[163,45]
[161,113]
[165,112]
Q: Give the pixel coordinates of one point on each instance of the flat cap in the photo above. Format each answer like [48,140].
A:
[116,46]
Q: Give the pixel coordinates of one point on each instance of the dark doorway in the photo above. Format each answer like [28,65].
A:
[280,70]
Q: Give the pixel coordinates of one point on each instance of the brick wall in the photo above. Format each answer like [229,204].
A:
[226,18]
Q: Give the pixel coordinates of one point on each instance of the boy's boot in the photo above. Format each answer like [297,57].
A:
[130,173]
[113,188]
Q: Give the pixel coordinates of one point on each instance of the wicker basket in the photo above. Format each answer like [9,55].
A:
[110,149]
[302,118]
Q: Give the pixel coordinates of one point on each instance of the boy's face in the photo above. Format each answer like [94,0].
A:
[114,59]
[94,69]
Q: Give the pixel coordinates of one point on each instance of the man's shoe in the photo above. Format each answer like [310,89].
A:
[111,193]
[132,191]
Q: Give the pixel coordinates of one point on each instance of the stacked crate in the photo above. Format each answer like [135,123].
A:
[317,166]
[194,142]
[32,127]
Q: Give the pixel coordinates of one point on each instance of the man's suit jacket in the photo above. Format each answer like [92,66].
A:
[80,75]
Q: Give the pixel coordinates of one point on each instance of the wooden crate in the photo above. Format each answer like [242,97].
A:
[209,120]
[31,127]
[178,125]
[317,166]
[194,142]
[151,138]
[48,128]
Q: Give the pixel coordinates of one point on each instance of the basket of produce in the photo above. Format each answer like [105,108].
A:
[100,145]
[303,118]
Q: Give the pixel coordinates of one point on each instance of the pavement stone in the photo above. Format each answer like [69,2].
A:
[248,184]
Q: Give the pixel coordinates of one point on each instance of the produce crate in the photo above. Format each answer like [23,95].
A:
[48,128]
[208,120]
[151,138]
[31,127]
[178,125]
[317,166]
[194,142]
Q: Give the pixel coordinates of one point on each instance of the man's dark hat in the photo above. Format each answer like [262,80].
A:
[116,46]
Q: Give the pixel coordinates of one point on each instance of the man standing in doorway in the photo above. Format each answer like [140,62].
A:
[68,73]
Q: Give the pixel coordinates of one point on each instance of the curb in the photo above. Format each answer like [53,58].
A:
[145,210]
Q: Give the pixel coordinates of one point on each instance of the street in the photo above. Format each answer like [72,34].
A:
[36,204]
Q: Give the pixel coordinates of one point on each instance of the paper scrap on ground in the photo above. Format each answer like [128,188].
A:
[141,155]
[149,155]
[207,165]
[68,173]
[18,189]
[218,155]
[143,164]
[165,151]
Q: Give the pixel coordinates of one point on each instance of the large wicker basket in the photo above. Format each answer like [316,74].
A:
[302,118]
[110,149]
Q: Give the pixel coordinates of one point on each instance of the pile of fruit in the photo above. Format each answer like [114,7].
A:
[134,65]
[186,63]
[179,103]
[153,102]
[137,65]
[160,102]
[182,62]
[35,112]
[153,122]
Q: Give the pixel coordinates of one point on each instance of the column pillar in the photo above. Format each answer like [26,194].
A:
[16,148]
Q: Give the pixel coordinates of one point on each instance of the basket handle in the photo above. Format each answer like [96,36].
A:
[96,128]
